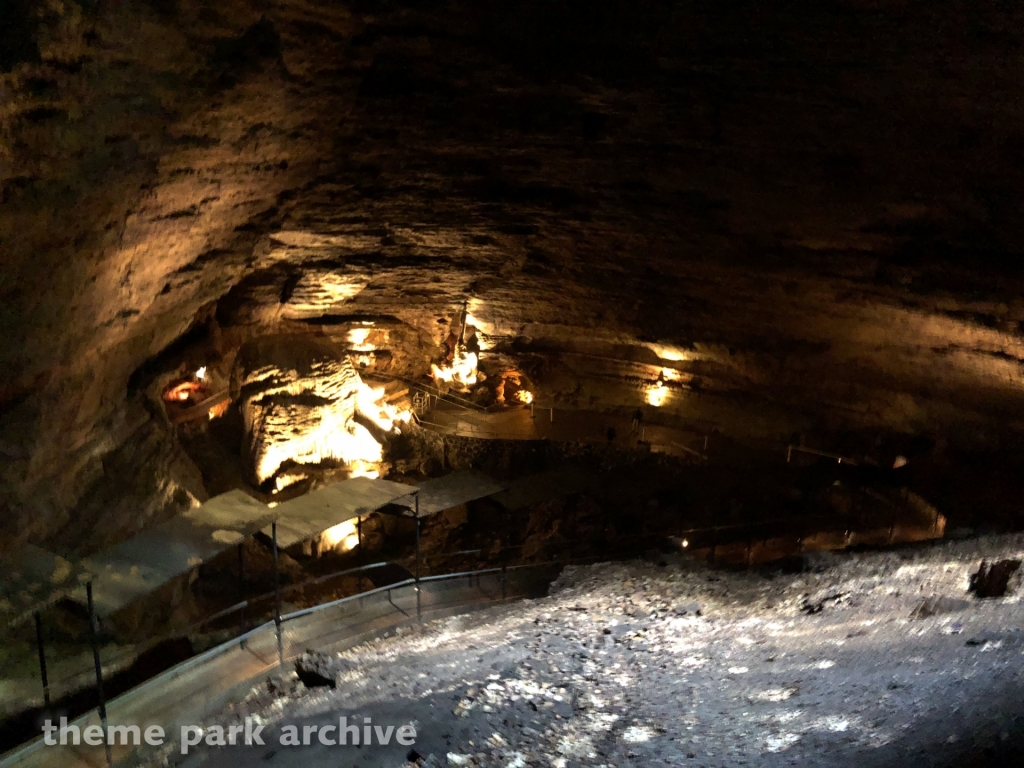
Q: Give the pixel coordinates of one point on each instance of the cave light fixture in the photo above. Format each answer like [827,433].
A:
[524,396]
[657,394]
[201,373]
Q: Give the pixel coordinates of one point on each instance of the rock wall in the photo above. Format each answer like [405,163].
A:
[298,397]
[808,213]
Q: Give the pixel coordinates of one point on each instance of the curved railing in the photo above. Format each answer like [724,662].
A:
[199,687]
[204,683]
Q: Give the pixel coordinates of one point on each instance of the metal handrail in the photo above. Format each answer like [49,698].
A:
[134,652]
[839,458]
[435,391]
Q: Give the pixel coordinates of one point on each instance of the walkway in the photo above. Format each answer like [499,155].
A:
[564,426]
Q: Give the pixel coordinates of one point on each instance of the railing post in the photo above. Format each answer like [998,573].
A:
[42,660]
[241,578]
[277,596]
[360,559]
[552,415]
[418,599]
[241,568]
[504,590]
[94,641]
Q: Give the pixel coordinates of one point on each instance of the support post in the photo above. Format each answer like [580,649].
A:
[552,415]
[241,579]
[418,597]
[42,660]
[359,545]
[241,568]
[277,596]
[531,410]
[94,641]
[504,568]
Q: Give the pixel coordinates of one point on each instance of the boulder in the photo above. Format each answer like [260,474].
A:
[992,581]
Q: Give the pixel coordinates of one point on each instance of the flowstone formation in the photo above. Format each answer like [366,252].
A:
[303,403]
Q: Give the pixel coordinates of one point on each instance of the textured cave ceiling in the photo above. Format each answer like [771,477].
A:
[817,205]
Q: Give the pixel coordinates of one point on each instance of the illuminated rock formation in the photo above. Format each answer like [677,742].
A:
[810,214]
[303,403]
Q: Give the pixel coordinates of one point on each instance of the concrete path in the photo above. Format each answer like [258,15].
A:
[565,426]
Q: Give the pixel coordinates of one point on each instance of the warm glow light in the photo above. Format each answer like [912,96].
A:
[283,481]
[201,373]
[364,469]
[524,396]
[672,354]
[182,391]
[342,438]
[475,305]
[685,544]
[657,394]
[370,403]
[463,369]
[483,331]
[343,536]
[357,339]
[669,374]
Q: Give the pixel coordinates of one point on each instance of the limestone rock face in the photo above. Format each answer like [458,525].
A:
[298,397]
[802,216]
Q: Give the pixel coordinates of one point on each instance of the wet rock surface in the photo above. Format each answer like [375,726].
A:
[604,672]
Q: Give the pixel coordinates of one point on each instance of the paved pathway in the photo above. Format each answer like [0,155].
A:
[562,425]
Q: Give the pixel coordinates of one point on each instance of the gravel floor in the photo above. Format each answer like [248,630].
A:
[647,663]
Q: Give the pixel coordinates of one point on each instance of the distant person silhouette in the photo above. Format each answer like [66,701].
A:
[611,434]
[638,417]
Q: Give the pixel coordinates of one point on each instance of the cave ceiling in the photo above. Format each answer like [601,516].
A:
[811,211]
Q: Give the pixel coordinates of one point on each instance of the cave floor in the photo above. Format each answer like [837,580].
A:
[617,668]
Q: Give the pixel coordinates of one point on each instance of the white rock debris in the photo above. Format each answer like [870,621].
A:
[607,672]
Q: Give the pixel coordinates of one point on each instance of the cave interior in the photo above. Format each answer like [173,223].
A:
[740,279]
